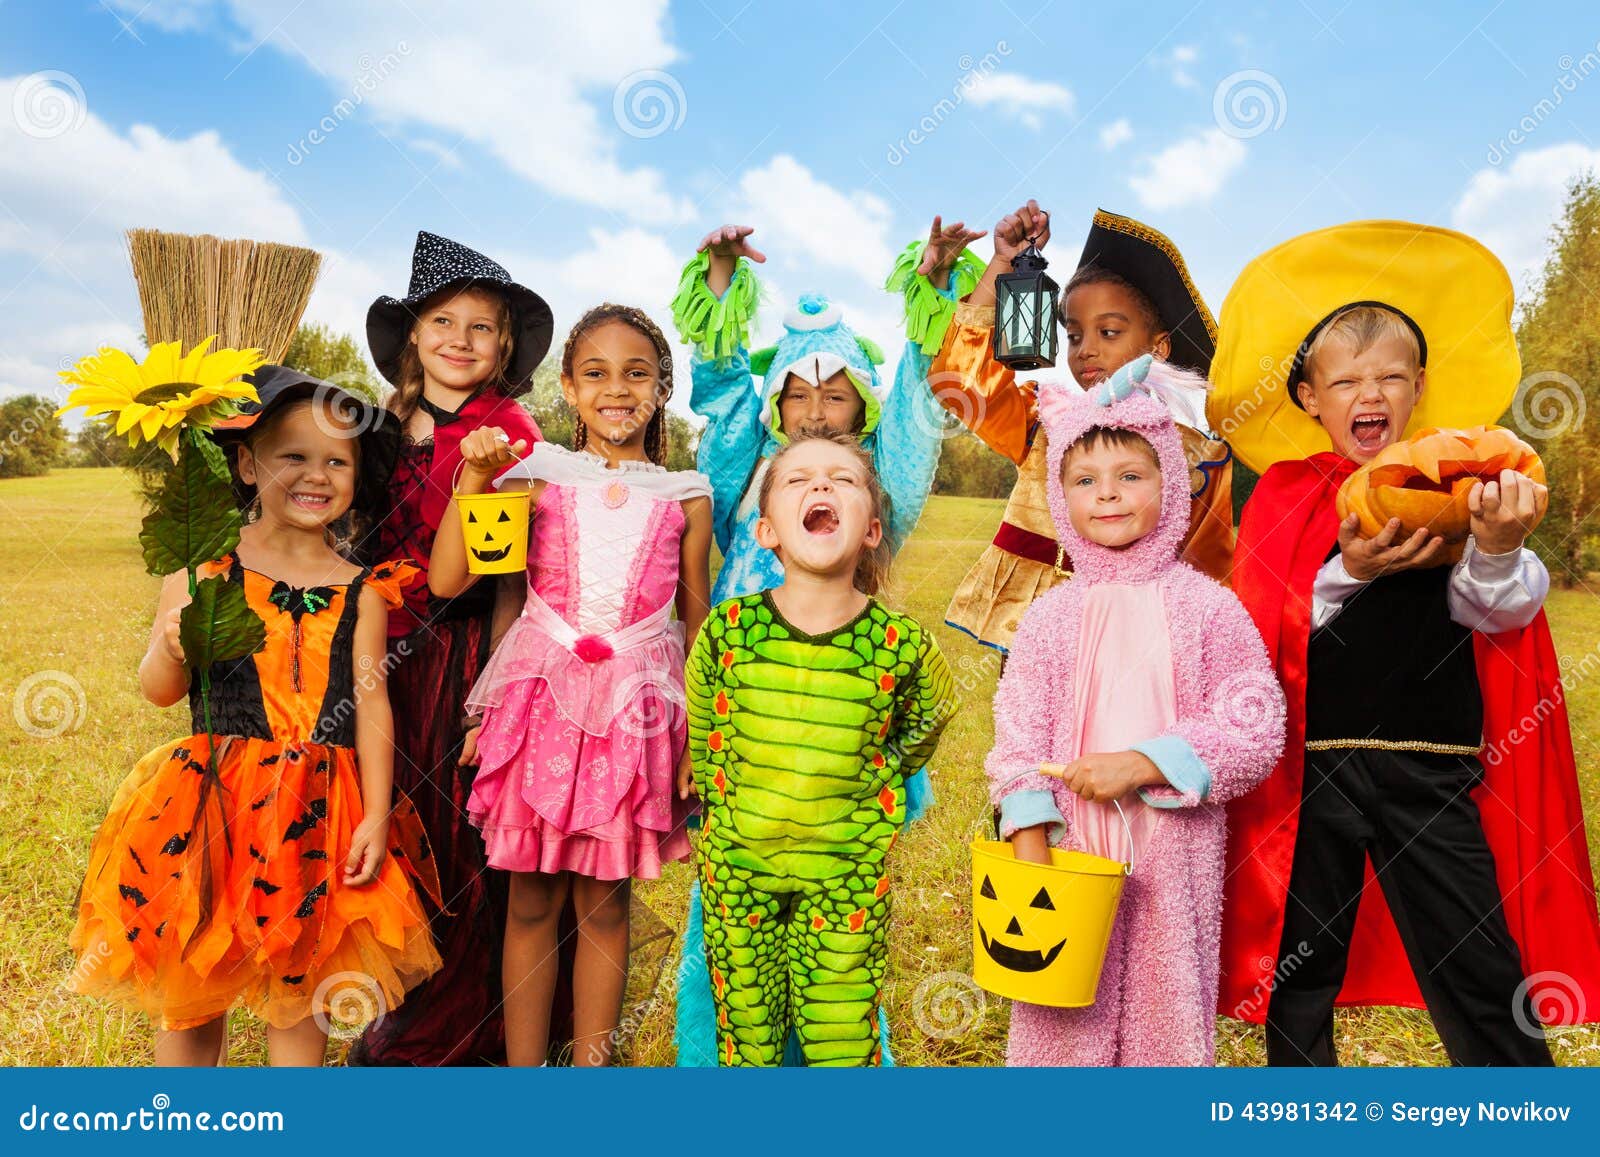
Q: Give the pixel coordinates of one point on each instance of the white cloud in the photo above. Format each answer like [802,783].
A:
[534,84]
[1188,172]
[1178,65]
[442,154]
[1116,133]
[797,214]
[1018,96]
[1512,208]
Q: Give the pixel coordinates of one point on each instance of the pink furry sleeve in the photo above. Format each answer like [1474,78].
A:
[1236,729]
[1024,710]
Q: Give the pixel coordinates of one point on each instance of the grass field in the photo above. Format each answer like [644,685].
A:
[75,606]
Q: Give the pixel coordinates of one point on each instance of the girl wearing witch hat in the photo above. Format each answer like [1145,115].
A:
[1426,808]
[1130,295]
[460,348]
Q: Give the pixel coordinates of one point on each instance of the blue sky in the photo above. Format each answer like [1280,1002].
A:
[588,146]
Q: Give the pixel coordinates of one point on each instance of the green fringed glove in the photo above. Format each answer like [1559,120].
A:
[717,329]
[928,312]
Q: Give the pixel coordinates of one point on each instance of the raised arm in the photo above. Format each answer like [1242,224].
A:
[713,310]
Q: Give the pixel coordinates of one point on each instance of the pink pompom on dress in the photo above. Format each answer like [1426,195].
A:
[1137,651]
[583,703]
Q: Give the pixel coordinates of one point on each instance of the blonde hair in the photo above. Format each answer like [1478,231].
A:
[1362,327]
[407,395]
[872,567]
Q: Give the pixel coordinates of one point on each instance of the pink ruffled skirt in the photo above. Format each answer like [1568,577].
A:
[577,760]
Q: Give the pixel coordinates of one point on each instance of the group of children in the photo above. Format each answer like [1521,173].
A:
[556,733]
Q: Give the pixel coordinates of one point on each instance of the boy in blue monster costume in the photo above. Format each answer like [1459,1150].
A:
[821,376]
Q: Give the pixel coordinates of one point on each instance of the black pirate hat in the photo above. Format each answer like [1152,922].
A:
[438,263]
[1153,265]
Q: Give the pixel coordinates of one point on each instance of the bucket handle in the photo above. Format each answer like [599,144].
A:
[1122,815]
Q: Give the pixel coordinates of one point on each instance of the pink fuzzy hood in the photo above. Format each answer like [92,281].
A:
[1127,400]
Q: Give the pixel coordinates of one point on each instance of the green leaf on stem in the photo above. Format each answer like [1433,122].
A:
[196,519]
[219,624]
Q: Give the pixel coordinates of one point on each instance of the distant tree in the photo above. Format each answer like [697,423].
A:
[333,357]
[1557,407]
[970,469]
[32,438]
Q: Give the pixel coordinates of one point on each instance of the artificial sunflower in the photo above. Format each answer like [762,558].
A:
[152,400]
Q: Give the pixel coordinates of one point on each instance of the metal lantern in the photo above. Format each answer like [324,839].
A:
[1025,313]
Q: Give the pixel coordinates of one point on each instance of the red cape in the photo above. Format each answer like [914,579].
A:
[1532,812]
[489,408]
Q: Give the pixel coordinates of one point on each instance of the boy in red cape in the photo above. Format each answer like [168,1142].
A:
[1426,808]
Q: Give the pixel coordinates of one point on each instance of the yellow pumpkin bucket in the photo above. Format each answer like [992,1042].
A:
[1040,931]
[494,528]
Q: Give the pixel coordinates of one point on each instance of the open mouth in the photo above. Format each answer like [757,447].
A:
[617,414]
[1370,431]
[310,501]
[820,519]
[1018,959]
[491,555]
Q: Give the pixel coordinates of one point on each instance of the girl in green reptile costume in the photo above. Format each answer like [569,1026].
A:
[809,706]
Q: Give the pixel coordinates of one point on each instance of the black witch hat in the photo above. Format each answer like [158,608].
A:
[439,263]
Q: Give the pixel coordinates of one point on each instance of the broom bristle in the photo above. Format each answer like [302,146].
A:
[248,293]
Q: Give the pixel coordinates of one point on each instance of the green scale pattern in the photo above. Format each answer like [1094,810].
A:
[801,747]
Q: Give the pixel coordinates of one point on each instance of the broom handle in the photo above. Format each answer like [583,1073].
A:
[1122,815]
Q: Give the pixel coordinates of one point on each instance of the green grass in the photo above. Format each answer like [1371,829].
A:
[75,601]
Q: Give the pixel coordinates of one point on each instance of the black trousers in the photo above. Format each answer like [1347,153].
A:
[1412,814]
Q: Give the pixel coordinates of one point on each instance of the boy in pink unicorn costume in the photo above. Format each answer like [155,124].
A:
[1139,683]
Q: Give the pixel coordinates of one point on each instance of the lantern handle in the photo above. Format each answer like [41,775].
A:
[1122,815]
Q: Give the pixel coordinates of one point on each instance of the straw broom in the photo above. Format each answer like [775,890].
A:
[251,294]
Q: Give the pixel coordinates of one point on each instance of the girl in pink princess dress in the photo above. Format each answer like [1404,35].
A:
[1138,685]
[583,708]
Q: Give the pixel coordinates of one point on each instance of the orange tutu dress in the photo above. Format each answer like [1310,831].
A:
[206,889]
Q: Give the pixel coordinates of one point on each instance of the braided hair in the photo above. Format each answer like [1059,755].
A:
[655,434]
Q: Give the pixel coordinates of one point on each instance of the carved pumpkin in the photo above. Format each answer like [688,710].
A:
[494,528]
[1426,480]
[1039,932]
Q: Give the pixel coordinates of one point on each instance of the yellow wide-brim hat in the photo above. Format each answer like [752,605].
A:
[1454,291]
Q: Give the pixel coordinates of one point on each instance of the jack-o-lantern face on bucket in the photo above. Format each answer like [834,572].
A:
[494,529]
[1027,946]
[1039,931]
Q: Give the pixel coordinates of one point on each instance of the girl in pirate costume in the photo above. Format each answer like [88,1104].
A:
[263,862]
[460,348]
[1130,295]
[1426,807]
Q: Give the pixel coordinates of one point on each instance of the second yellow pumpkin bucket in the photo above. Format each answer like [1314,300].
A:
[1040,931]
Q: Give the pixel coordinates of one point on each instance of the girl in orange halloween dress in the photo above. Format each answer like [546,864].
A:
[262,861]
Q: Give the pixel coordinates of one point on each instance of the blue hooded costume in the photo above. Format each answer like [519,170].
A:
[902,429]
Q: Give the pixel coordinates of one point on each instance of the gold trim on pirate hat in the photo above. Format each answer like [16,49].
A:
[1152,263]
[1449,288]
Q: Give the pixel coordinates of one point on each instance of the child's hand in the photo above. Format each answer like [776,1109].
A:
[469,747]
[172,639]
[1504,511]
[1367,558]
[485,452]
[685,776]
[729,243]
[1102,778]
[945,243]
[1012,231]
[367,848]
